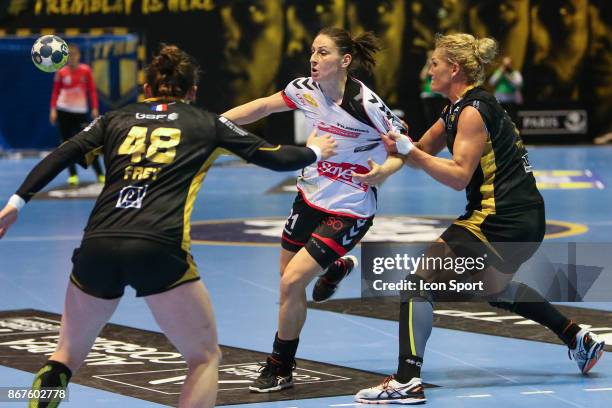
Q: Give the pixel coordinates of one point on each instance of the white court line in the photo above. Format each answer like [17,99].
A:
[456,359]
[347,405]
[475,396]
[537,392]
[597,389]
[267,289]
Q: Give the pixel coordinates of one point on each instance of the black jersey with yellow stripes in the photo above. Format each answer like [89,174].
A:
[157,154]
[503,179]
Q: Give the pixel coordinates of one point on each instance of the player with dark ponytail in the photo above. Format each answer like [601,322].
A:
[333,210]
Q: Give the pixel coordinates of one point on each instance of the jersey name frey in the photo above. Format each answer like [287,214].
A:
[156,162]
[329,185]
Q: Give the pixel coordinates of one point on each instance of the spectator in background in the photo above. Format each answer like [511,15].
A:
[433,102]
[507,82]
[73,85]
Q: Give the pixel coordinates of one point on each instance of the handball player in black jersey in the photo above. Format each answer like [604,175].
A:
[157,154]
[504,219]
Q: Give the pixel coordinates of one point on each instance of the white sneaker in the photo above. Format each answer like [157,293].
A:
[392,392]
[589,348]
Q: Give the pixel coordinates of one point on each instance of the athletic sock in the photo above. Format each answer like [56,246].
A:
[283,352]
[416,320]
[52,375]
[568,336]
[408,367]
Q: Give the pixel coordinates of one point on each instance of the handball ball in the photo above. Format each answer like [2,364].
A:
[49,53]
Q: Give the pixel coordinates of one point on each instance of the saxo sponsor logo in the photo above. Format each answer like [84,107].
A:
[342,172]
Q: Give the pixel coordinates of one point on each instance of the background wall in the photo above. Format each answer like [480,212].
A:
[251,48]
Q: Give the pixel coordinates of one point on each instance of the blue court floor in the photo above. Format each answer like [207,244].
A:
[470,369]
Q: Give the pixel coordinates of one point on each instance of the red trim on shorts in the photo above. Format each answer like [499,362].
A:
[292,241]
[328,211]
[290,104]
[337,248]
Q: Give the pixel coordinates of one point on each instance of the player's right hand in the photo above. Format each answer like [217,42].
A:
[8,216]
[326,143]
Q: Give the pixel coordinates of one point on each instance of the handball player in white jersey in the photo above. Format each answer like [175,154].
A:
[333,210]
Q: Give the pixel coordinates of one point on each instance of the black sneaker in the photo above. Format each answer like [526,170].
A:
[328,283]
[271,377]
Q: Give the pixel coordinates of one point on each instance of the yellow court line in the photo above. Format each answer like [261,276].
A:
[573,229]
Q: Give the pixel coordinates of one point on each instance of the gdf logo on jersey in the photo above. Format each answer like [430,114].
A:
[131,197]
[171,116]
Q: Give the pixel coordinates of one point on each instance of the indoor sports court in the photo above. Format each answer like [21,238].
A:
[476,358]
[535,77]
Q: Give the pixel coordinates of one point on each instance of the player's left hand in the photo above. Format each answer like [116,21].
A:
[375,176]
[397,143]
[95,113]
[8,216]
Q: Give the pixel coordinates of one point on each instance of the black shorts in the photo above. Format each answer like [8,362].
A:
[70,123]
[509,239]
[104,266]
[325,236]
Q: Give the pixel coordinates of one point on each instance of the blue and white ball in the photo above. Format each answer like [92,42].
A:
[49,53]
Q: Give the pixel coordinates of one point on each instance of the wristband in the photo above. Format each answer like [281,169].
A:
[317,151]
[404,145]
[16,202]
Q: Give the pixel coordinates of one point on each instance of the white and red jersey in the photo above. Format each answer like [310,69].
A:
[356,125]
[71,87]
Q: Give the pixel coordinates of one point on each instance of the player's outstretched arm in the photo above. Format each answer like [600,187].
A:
[37,179]
[285,158]
[255,150]
[257,109]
